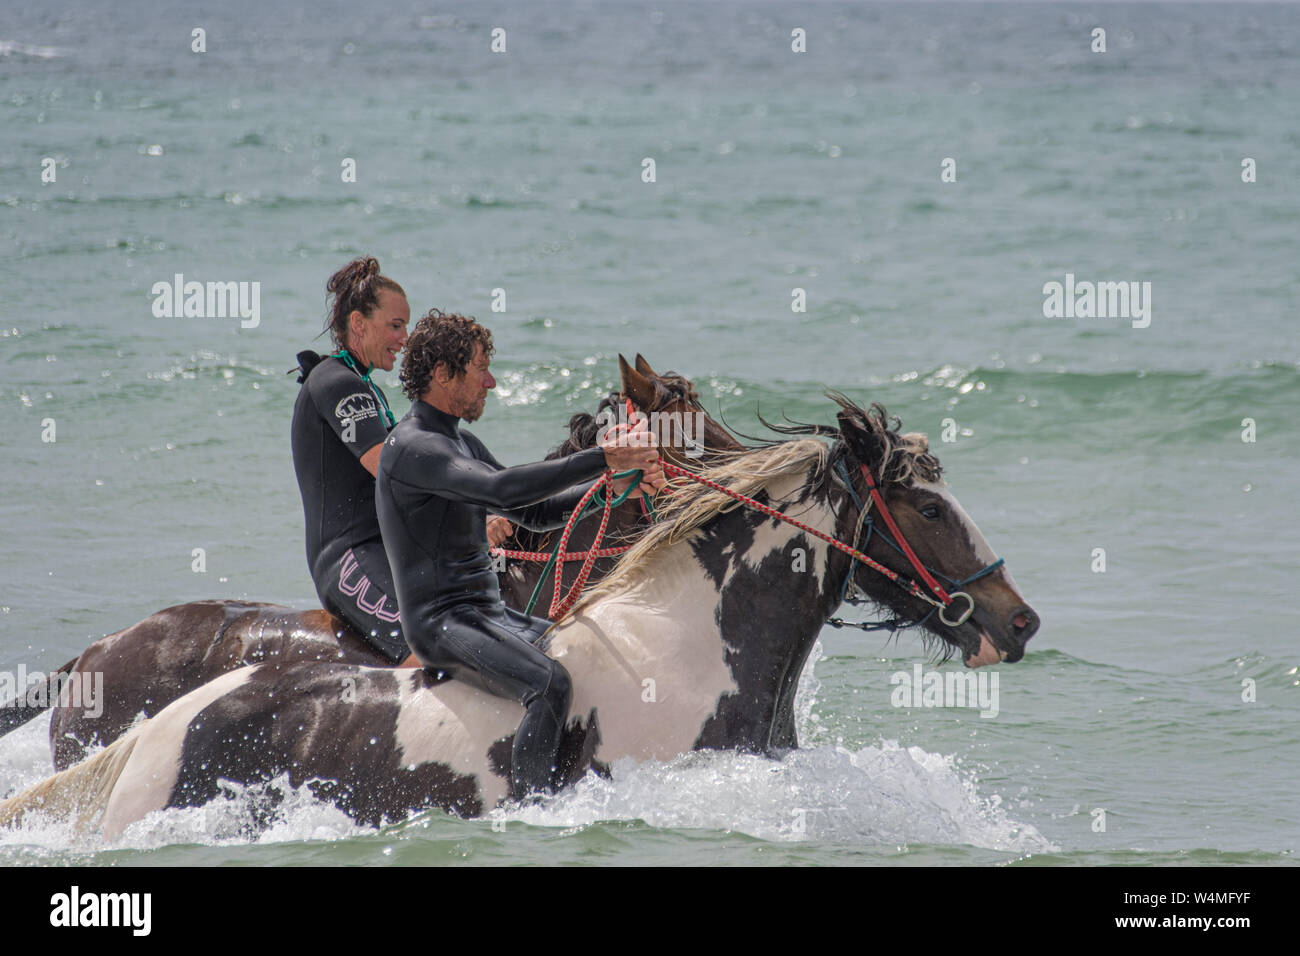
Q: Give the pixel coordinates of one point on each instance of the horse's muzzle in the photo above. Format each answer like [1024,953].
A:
[1022,625]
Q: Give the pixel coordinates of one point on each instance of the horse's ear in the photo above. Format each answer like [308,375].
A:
[864,439]
[636,386]
[644,368]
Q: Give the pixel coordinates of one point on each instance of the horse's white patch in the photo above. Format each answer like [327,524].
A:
[773,535]
[454,724]
[147,780]
[778,536]
[649,658]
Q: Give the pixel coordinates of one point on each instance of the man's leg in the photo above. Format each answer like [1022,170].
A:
[490,649]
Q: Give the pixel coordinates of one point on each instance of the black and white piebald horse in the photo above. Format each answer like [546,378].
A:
[145,667]
[694,641]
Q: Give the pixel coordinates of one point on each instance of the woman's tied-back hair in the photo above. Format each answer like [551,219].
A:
[440,337]
[355,288]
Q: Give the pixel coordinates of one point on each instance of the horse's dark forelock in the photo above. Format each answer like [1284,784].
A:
[679,387]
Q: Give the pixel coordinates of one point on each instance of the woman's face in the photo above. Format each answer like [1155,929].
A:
[376,339]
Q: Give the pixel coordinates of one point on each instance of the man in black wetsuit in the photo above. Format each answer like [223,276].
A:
[435,483]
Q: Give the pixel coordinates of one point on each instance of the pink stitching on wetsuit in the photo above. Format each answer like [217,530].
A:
[361,588]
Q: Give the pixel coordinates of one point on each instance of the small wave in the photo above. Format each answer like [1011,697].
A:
[491,201]
[207,364]
[264,813]
[572,383]
[10,47]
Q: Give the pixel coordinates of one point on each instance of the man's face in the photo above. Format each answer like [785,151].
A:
[467,392]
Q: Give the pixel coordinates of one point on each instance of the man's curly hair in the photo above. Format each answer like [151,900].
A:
[440,337]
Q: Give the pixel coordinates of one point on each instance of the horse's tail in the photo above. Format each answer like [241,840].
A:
[13,717]
[81,792]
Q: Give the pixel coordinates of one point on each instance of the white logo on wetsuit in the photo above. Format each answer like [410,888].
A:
[357,407]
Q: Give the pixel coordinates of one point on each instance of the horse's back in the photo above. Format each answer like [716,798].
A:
[153,663]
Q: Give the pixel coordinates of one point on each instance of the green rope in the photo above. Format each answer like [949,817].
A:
[597,501]
[365,376]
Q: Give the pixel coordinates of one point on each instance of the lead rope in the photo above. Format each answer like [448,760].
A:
[560,605]
[558,554]
[907,585]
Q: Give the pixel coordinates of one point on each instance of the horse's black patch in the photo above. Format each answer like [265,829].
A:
[717,546]
[773,614]
[575,757]
[501,757]
[333,736]
[577,749]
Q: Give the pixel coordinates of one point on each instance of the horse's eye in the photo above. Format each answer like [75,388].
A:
[931,512]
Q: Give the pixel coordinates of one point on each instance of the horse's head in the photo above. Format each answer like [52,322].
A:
[940,533]
[685,431]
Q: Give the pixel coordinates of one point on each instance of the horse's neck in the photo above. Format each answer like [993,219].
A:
[780,584]
[725,617]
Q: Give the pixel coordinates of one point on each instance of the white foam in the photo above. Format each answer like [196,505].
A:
[25,756]
[806,722]
[25,760]
[885,795]
[293,815]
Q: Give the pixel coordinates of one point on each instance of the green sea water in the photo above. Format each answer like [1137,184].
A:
[774,171]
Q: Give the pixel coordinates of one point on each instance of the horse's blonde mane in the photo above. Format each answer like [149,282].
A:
[693,504]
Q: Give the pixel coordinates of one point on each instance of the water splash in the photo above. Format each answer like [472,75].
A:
[884,795]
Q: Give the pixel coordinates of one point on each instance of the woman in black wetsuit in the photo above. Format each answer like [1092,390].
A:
[340,421]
